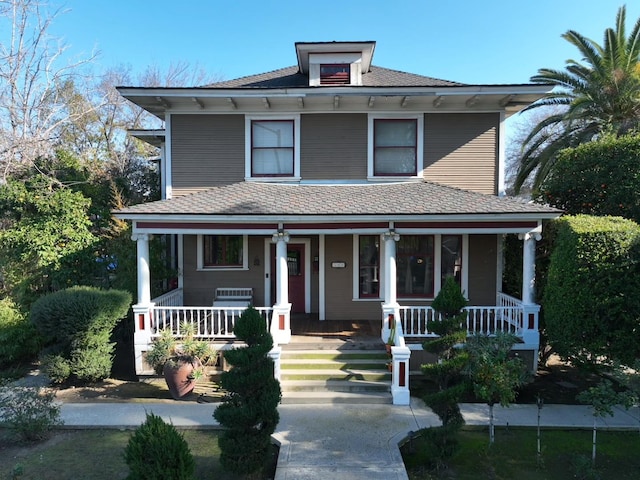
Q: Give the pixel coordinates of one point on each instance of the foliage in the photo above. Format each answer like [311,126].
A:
[450,299]
[249,411]
[77,323]
[157,451]
[598,178]
[29,411]
[57,368]
[595,264]
[18,338]
[598,95]
[169,348]
[46,244]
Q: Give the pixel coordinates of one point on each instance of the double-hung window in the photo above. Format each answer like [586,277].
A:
[272,147]
[395,146]
[222,252]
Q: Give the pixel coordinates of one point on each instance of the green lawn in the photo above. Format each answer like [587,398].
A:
[98,455]
[513,456]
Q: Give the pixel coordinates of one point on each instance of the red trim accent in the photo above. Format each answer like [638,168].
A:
[141,321]
[469,225]
[532,321]
[280,322]
[403,368]
[206,226]
[335,226]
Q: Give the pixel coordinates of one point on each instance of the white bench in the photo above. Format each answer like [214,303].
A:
[233,297]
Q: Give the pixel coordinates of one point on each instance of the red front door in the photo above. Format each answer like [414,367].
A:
[295,264]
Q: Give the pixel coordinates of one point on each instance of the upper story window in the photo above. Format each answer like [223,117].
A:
[222,252]
[395,146]
[335,74]
[273,147]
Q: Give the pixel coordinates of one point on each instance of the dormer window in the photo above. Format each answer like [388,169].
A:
[335,74]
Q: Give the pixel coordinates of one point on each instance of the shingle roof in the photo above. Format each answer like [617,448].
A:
[290,77]
[415,198]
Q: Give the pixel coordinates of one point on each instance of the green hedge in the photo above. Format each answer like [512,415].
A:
[18,339]
[592,296]
[76,325]
[597,178]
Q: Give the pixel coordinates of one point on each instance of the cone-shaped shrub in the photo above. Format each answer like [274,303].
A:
[157,451]
[249,411]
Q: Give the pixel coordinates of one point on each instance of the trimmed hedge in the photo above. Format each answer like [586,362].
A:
[18,339]
[597,178]
[76,325]
[591,301]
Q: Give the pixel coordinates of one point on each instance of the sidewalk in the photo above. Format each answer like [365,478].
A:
[352,441]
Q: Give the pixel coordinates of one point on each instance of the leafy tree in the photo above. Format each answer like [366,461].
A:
[598,178]
[493,372]
[249,411]
[591,301]
[598,95]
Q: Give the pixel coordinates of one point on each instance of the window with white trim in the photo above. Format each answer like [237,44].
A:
[335,74]
[415,266]
[395,146]
[222,252]
[369,266]
[272,147]
[451,258]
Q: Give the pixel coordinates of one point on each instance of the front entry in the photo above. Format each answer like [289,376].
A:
[297,265]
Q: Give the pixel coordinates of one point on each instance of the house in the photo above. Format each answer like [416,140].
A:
[337,189]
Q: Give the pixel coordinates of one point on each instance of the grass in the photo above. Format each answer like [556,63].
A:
[565,454]
[98,454]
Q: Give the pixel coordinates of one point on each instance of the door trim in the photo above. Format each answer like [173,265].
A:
[307,270]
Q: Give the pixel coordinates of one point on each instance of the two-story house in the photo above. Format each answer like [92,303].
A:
[337,189]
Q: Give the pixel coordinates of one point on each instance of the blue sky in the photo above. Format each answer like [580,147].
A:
[470,41]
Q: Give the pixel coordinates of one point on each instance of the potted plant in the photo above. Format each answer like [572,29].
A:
[391,341]
[181,360]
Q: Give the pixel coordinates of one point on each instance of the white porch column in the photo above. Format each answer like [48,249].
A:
[144,272]
[142,310]
[390,305]
[281,320]
[529,266]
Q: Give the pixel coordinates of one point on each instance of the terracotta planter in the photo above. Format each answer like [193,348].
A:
[178,375]
[388,347]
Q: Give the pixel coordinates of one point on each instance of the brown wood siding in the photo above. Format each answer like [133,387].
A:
[483,252]
[333,146]
[206,150]
[461,150]
[339,284]
[199,286]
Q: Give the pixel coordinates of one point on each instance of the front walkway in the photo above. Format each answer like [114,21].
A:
[341,441]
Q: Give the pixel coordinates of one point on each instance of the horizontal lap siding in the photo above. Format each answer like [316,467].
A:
[333,146]
[461,150]
[339,284]
[206,150]
[483,251]
[199,286]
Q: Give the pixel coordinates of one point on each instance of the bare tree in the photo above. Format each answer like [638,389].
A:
[32,85]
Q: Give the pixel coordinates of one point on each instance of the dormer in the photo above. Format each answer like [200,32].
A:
[334,63]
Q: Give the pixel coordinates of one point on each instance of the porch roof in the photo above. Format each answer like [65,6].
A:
[420,198]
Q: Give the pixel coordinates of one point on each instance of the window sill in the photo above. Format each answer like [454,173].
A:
[221,269]
[368,299]
[272,179]
[396,178]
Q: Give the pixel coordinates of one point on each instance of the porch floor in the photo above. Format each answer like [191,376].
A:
[309,332]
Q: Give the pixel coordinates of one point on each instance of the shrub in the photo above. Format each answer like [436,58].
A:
[591,302]
[57,368]
[30,411]
[249,411]
[18,338]
[157,451]
[77,323]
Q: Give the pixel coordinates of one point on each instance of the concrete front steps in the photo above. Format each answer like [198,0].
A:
[332,375]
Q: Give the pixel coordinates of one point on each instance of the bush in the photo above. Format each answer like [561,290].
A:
[591,302]
[249,411]
[157,451]
[30,411]
[18,339]
[76,324]
[57,368]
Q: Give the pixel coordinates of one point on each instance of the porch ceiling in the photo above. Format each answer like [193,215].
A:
[386,201]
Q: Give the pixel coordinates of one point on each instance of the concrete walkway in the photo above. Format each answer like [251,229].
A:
[341,441]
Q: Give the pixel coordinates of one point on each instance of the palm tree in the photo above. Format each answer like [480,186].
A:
[597,95]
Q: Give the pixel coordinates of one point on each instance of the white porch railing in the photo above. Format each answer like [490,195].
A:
[208,322]
[174,298]
[479,319]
